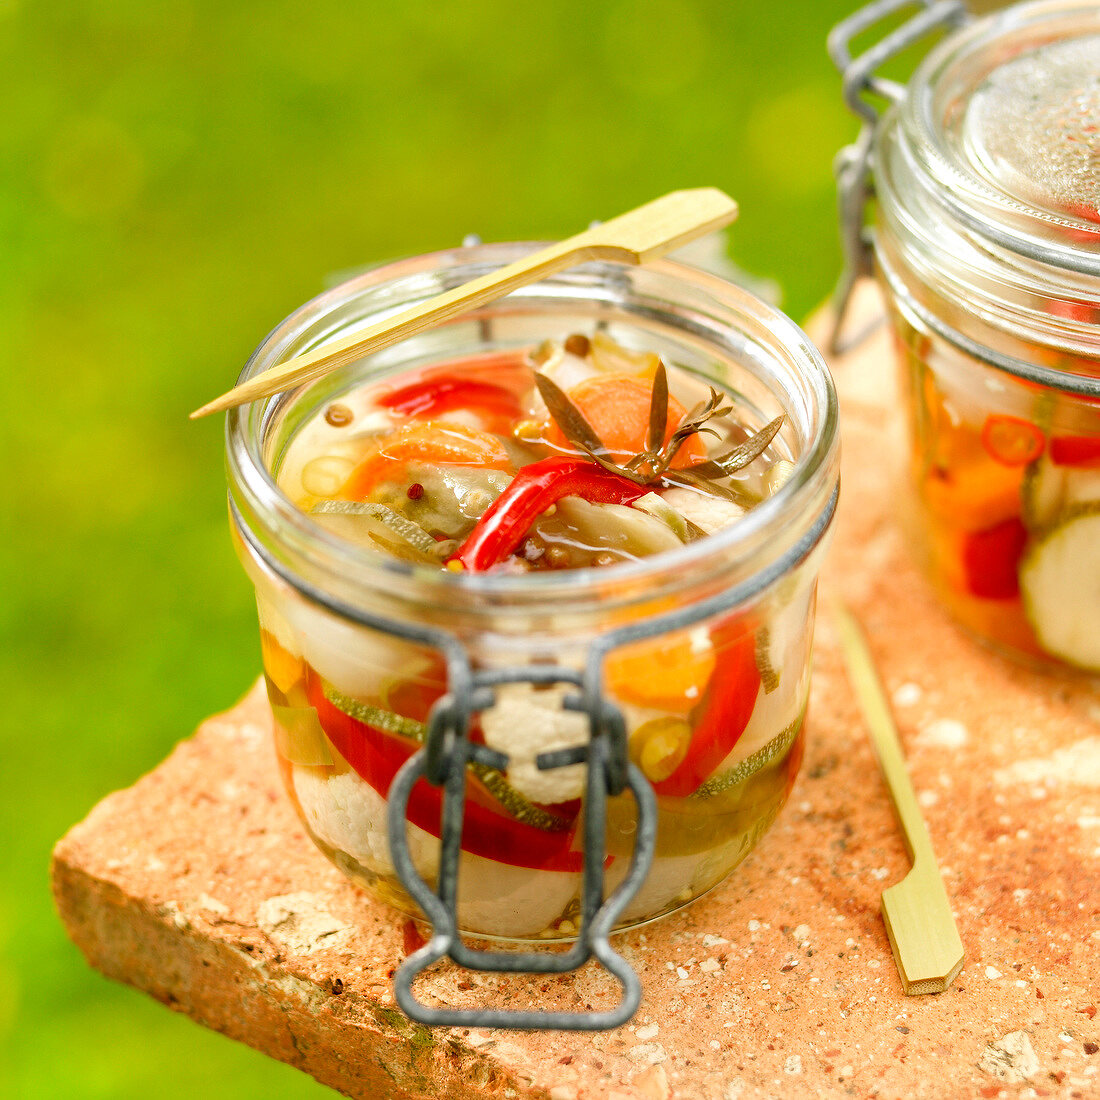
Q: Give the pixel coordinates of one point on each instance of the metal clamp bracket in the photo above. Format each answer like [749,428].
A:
[609,773]
[861,82]
[443,761]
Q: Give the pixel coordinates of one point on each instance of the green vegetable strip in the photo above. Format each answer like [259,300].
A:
[370,715]
[516,804]
[388,722]
[411,532]
[759,759]
[768,675]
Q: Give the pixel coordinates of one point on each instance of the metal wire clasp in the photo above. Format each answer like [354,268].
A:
[443,762]
[861,82]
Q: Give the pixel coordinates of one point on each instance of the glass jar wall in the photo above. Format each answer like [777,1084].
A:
[713,697]
[987,244]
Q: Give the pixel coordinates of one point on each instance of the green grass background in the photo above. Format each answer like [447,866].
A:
[175,177]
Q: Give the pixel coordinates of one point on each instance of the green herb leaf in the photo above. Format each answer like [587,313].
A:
[623,471]
[751,449]
[658,410]
[691,479]
[568,417]
[401,525]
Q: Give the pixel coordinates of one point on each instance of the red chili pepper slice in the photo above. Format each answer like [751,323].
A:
[1075,450]
[376,756]
[534,488]
[498,407]
[1011,440]
[723,715]
[991,560]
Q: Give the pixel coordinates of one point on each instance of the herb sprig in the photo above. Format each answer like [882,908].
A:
[653,464]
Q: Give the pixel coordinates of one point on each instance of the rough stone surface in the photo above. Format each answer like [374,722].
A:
[198,886]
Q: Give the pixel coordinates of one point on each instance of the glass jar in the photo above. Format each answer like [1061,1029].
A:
[361,654]
[987,245]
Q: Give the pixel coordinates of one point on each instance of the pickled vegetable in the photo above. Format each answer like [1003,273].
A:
[579,454]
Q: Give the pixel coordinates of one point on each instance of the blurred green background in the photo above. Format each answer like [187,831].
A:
[175,177]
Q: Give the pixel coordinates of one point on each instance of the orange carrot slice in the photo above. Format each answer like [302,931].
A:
[424,441]
[974,495]
[617,407]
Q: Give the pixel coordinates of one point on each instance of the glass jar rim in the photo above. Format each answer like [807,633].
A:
[965,190]
[259,502]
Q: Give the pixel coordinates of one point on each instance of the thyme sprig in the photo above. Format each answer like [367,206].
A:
[653,464]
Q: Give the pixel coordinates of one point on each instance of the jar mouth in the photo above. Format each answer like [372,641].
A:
[705,315]
[1001,124]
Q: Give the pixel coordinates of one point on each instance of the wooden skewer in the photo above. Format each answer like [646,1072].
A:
[643,234]
[916,911]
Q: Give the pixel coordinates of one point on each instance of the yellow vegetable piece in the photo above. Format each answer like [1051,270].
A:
[659,746]
[299,737]
[283,669]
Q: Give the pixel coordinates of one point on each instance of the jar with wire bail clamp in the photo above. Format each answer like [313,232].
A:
[986,242]
[536,594]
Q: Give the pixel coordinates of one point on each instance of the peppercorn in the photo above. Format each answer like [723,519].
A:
[578,344]
[339,416]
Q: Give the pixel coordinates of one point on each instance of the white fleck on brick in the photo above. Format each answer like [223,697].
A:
[714,941]
[650,1053]
[563,1092]
[1011,1059]
[945,733]
[211,905]
[907,695]
[709,966]
[297,921]
[802,933]
[793,1065]
[1077,765]
[681,973]
[754,926]
[648,1032]
[992,973]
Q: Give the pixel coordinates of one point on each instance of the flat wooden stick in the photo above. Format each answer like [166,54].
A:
[916,911]
[643,234]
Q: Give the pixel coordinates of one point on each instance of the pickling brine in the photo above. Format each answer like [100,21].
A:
[528,496]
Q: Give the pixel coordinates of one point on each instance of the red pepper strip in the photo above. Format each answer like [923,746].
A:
[721,718]
[1075,450]
[497,406]
[991,560]
[510,369]
[376,757]
[508,519]
[1011,440]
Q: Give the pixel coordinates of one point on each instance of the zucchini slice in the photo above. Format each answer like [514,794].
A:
[1082,487]
[1060,584]
[1049,490]
[1043,493]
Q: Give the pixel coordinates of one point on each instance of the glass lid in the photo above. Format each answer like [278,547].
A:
[1006,117]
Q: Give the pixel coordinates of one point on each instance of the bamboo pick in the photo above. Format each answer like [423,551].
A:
[636,237]
[916,911]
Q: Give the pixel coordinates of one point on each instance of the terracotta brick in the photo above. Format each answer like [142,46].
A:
[199,886]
